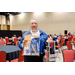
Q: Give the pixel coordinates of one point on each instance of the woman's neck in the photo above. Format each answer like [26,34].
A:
[34,31]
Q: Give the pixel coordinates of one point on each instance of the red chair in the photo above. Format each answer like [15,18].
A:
[21,57]
[72,37]
[58,40]
[6,37]
[46,56]
[69,39]
[61,44]
[1,39]
[12,37]
[20,38]
[15,41]
[7,41]
[3,56]
[74,43]
[2,43]
[68,55]
[69,45]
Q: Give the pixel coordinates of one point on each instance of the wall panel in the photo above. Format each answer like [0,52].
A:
[49,22]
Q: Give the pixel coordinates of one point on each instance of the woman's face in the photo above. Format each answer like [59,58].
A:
[34,25]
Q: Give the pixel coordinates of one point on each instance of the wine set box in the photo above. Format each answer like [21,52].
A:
[32,46]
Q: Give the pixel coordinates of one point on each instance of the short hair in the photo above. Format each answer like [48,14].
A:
[33,19]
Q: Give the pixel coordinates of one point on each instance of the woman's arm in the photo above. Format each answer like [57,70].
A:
[21,44]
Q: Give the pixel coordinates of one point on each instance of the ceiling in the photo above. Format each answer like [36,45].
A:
[8,13]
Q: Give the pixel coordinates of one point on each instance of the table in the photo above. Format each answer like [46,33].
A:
[12,52]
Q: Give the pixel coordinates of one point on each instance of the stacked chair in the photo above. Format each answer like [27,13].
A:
[7,41]
[68,55]
[3,56]
[60,46]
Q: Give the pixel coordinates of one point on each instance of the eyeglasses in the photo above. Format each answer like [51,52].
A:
[33,23]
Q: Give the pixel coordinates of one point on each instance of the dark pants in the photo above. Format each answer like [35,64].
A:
[34,58]
[56,43]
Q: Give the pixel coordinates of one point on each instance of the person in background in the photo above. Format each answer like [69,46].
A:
[55,37]
[50,36]
[69,34]
[43,37]
[60,34]
[48,43]
[14,36]
[73,34]
[49,39]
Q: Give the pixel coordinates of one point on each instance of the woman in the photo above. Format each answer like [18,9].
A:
[43,37]
[14,36]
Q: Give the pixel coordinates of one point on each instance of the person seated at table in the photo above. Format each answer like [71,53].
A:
[14,36]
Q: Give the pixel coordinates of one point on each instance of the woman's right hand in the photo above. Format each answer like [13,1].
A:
[24,42]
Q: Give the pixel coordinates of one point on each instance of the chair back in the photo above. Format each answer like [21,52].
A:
[62,38]
[15,40]
[21,57]
[7,40]
[69,45]
[2,56]
[58,40]
[68,55]
[72,37]
[62,42]
[69,39]
[6,37]
[46,53]
[19,37]
[1,39]
[2,43]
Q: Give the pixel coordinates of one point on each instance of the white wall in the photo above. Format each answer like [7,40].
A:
[2,21]
[50,22]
